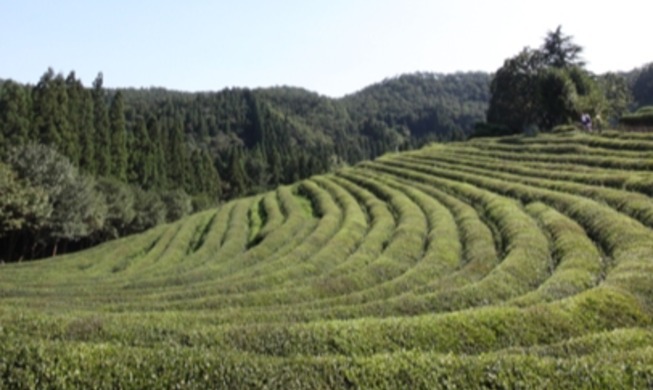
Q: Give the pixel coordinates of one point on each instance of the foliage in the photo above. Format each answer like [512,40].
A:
[14,116]
[120,203]
[178,204]
[424,105]
[21,206]
[643,86]
[49,206]
[559,51]
[618,96]
[75,208]
[118,131]
[547,87]
[149,210]
[514,89]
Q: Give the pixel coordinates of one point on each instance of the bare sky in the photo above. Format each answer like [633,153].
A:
[333,47]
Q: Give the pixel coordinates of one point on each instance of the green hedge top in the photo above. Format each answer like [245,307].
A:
[641,117]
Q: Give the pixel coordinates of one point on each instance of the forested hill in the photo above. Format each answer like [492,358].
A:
[416,107]
[128,159]
[400,111]
[283,134]
[428,105]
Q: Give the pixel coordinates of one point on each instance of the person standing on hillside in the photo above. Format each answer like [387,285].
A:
[586,121]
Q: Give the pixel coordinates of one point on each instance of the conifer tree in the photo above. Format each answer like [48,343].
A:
[44,128]
[118,130]
[256,168]
[102,135]
[205,177]
[69,143]
[15,109]
[255,133]
[560,51]
[176,156]
[141,157]
[51,125]
[195,181]
[87,137]
[159,172]
[275,166]
[213,183]
[75,91]
[236,173]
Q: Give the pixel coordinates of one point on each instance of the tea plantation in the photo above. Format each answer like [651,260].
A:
[515,262]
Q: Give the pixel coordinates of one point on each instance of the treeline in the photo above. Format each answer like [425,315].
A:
[81,165]
[49,206]
[96,132]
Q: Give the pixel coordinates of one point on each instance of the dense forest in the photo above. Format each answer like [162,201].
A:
[81,165]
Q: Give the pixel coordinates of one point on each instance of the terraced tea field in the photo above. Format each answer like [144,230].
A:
[500,263]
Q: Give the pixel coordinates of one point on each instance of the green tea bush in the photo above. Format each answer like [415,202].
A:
[501,262]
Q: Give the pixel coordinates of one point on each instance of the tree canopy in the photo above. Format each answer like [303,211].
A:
[643,86]
[559,51]
[545,87]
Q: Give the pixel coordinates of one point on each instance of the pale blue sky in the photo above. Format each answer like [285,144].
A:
[333,47]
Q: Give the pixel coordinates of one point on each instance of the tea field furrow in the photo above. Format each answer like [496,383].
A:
[513,262]
[622,238]
[637,181]
[636,205]
[606,161]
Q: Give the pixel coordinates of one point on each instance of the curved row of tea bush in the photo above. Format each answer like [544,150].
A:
[508,262]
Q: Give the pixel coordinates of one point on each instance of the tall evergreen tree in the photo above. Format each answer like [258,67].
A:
[141,157]
[51,124]
[69,142]
[44,104]
[159,165]
[102,135]
[559,50]
[177,156]
[75,91]
[87,136]
[255,132]
[256,168]
[236,173]
[117,128]
[15,110]
[212,184]
[275,166]
[205,177]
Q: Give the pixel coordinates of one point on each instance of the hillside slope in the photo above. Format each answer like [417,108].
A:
[502,263]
